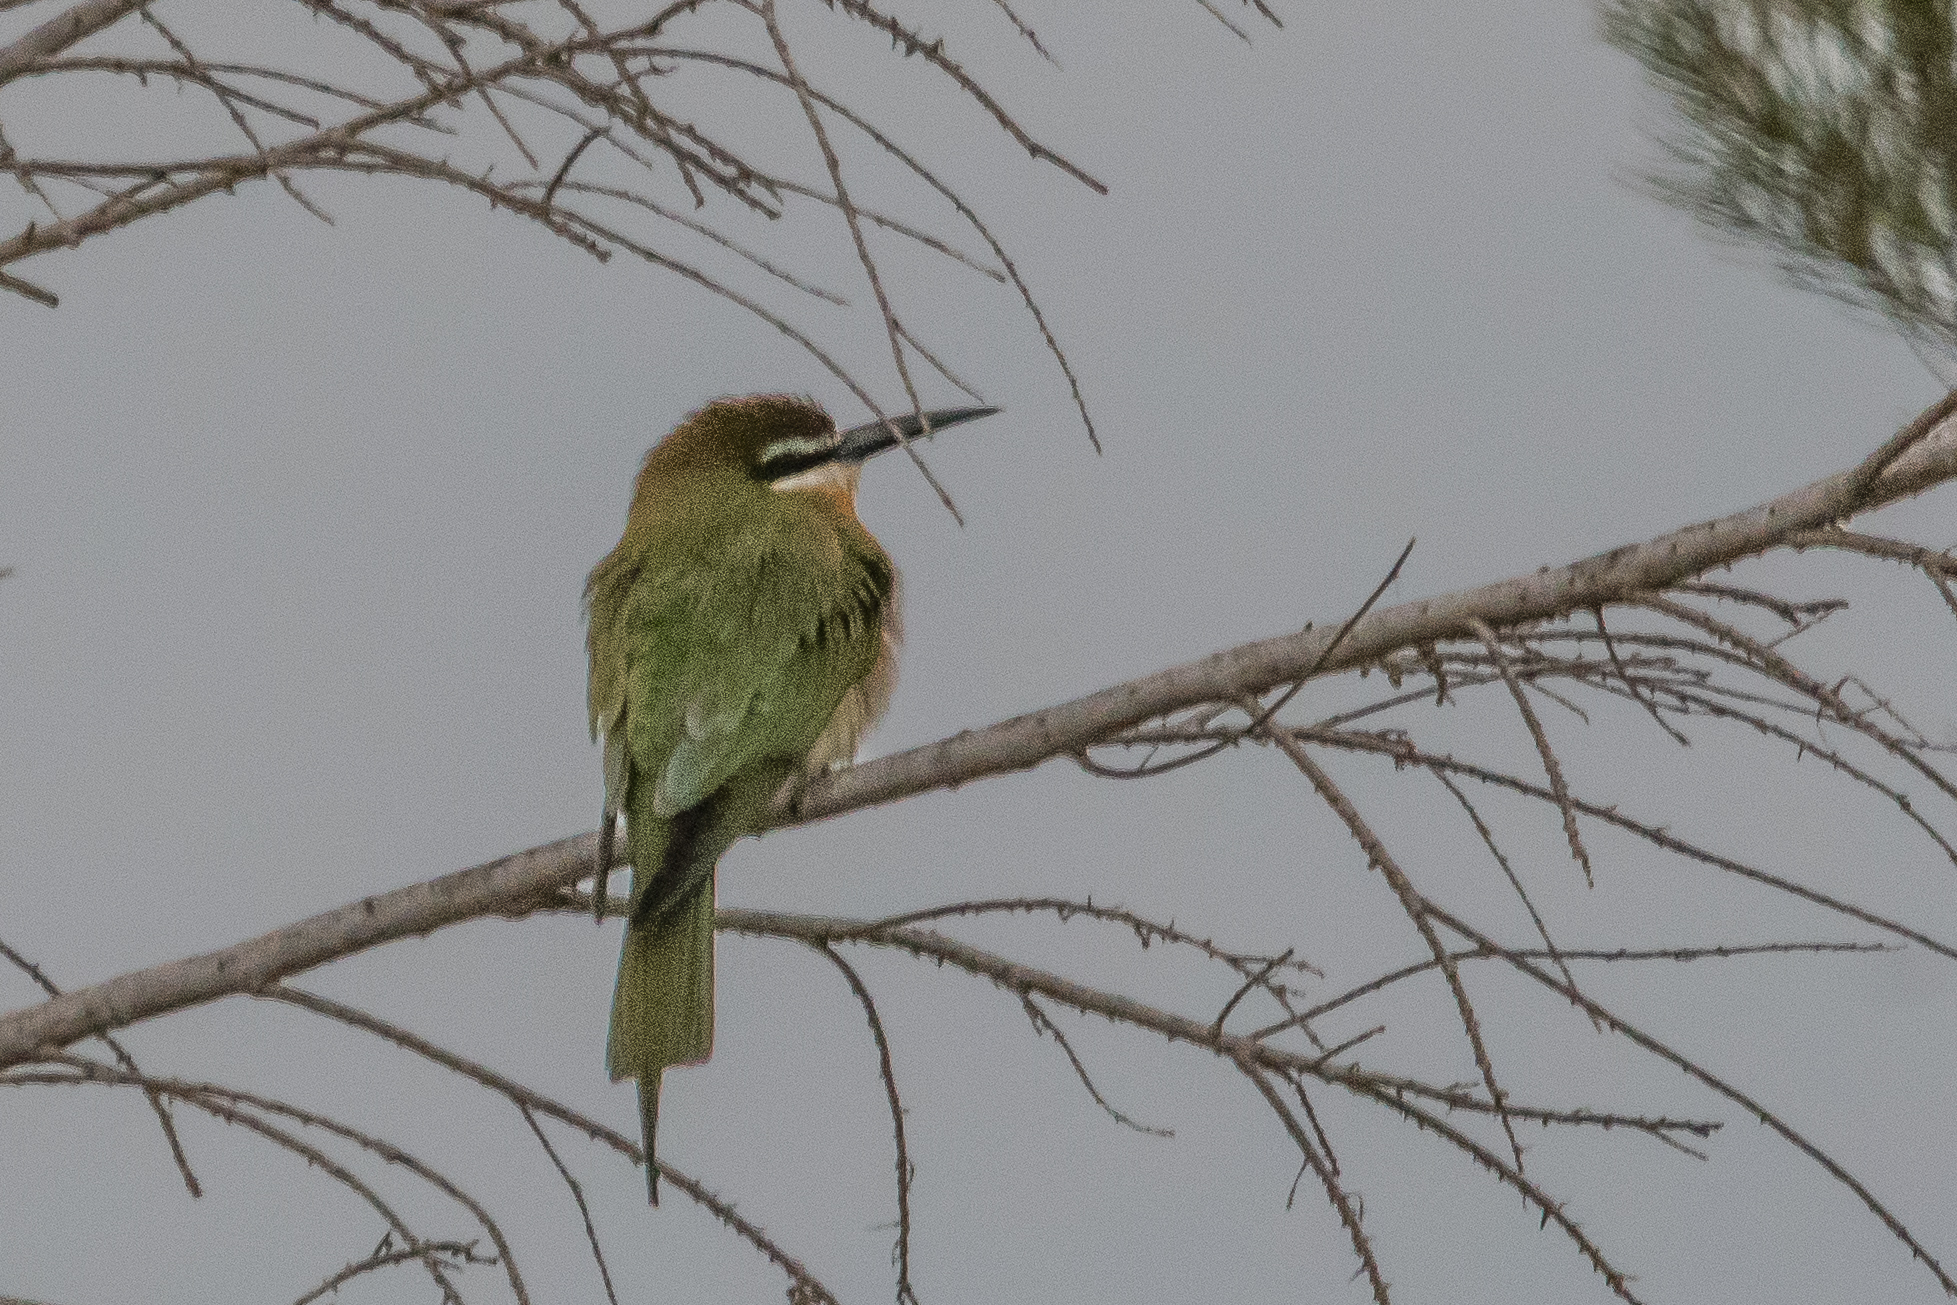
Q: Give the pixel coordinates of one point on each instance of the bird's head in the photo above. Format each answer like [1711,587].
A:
[788,443]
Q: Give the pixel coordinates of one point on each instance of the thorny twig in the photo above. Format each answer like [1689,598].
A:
[806,1287]
[900,1253]
[501,83]
[1688,664]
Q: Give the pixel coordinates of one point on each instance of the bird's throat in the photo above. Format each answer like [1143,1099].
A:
[834,481]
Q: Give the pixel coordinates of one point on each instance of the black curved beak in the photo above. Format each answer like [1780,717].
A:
[860,443]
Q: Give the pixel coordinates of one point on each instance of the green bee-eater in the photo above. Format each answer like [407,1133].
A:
[742,632]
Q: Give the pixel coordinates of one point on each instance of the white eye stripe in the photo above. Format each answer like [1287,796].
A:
[798,446]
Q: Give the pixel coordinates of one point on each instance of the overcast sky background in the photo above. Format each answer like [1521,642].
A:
[300,517]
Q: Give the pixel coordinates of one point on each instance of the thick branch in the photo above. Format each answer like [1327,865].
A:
[501,886]
[516,884]
[58,33]
[1613,577]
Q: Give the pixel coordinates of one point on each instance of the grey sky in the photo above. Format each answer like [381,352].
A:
[300,516]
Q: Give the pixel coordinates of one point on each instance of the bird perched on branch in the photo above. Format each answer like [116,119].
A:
[742,633]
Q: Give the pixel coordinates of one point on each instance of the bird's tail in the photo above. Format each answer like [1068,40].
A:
[662,1012]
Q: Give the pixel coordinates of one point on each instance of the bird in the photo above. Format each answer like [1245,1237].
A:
[742,636]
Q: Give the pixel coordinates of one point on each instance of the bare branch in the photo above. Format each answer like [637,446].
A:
[1418,910]
[869,264]
[933,51]
[1404,753]
[1621,575]
[537,77]
[810,1289]
[1562,958]
[577,1195]
[1547,753]
[527,880]
[901,1253]
[158,1106]
[1553,1211]
[1346,1208]
[1043,1025]
[57,34]
[458,1254]
[1501,859]
[1748,1103]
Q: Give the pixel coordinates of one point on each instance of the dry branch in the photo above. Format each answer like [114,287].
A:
[60,32]
[517,884]
[1513,636]
[503,100]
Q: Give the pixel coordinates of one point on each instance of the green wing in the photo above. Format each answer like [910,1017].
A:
[743,655]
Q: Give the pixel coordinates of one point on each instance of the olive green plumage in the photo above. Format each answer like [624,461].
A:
[741,633]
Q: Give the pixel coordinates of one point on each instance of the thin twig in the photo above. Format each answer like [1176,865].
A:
[800,1279]
[1617,664]
[1696,1071]
[459,1253]
[1043,1024]
[577,1195]
[1547,753]
[1515,881]
[1346,1208]
[863,257]
[1417,909]
[901,1252]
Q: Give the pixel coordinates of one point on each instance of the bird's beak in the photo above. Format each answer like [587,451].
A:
[860,443]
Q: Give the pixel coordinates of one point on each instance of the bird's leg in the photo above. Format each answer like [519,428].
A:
[787,795]
[601,870]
